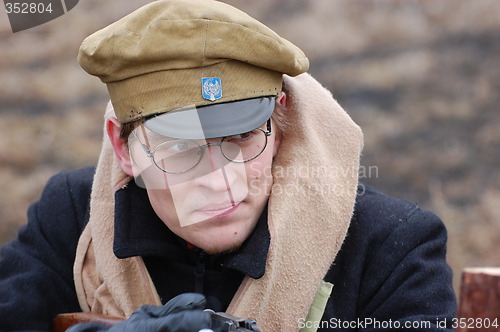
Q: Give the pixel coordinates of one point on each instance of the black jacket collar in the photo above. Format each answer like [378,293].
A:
[139,232]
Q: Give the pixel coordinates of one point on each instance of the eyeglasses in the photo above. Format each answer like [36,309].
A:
[177,156]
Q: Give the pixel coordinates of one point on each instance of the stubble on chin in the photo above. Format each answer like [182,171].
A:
[215,250]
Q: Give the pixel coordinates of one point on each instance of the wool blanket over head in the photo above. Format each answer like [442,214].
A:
[311,204]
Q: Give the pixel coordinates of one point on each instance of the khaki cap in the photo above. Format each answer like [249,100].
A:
[172,54]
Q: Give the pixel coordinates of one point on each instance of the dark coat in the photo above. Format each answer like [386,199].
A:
[391,266]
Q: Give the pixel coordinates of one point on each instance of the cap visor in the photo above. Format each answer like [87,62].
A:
[218,120]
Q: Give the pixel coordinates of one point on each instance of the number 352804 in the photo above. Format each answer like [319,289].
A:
[474,323]
[28,8]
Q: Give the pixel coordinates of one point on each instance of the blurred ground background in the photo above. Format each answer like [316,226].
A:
[422,78]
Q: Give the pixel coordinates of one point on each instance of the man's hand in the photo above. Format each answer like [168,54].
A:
[183,313]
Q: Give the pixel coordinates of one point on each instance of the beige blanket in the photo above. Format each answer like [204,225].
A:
[311,204]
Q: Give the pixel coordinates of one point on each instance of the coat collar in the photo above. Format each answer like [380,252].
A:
[140,232]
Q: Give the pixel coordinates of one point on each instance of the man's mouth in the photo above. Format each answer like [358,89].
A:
[219,209]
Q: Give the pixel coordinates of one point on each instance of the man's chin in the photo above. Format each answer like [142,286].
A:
[221,248]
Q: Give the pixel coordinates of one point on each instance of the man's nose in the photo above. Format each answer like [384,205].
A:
[215,171]
[214,157]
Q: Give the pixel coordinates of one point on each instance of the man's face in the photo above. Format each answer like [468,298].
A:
[215,205]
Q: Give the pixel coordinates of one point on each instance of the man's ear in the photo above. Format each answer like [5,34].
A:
[281,100]
[113,127]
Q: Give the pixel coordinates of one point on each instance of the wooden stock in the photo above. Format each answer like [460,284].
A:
[65,321]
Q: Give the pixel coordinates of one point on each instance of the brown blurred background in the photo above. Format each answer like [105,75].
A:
[422,78]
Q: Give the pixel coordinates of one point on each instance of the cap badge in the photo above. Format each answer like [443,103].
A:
[211,88]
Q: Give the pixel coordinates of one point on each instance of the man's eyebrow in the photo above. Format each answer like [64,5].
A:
[156,139]
[156,136]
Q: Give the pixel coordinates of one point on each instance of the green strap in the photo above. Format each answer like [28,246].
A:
[317,308]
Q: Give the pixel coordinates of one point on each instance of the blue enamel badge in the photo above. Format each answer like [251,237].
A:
[211,88]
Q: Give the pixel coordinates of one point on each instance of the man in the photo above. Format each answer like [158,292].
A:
[225,171]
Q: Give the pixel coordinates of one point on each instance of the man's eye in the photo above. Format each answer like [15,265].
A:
[240,137]
[246,135]
[180,147]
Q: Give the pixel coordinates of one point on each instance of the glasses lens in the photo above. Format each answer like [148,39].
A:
[244,147]
[177,156]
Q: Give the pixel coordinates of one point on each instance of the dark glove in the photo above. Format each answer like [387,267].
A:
[183,313]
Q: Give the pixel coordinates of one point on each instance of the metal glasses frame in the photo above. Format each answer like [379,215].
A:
[202,148]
